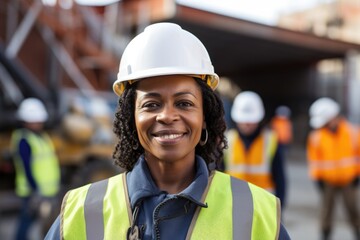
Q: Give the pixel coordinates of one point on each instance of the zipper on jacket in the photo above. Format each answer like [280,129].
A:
[156,216]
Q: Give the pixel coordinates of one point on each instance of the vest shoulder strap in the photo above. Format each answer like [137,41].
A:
[271,142]
[241,216]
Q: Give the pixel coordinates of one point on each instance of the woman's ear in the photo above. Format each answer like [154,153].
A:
[204,124]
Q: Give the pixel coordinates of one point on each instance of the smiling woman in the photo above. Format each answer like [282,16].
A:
[170,125]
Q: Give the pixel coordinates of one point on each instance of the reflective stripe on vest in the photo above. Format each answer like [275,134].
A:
[254,164]
[328,164]
[105,204]
[43,158]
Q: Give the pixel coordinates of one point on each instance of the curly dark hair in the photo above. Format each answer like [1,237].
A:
[128,149]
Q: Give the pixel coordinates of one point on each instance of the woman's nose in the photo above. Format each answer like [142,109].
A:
[167,115]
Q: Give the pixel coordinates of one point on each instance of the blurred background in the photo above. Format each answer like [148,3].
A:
[67,53]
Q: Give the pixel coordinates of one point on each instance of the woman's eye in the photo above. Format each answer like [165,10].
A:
[185,104]
[150,105]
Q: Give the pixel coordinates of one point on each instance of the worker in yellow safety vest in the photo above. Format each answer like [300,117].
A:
[253,153]
[170,125]
[332,151]
[37,168]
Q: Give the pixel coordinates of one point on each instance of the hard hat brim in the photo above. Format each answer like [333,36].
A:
[120,83]
[317,122]
[247,119]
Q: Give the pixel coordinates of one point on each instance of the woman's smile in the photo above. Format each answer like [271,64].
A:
[168,137]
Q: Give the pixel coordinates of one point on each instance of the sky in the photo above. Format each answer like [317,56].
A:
[262,11]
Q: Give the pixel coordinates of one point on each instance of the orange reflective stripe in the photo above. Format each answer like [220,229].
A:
[334,164]
[263,168]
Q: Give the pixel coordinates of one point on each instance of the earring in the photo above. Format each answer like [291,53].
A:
[203,142]
[135,145]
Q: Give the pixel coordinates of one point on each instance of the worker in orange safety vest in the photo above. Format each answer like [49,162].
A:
[282,125]
[332,151]
[253,152]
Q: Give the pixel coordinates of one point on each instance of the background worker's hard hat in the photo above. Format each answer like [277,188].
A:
[322,111]
[247,108]
[283,111]
[164,49]
[32,110]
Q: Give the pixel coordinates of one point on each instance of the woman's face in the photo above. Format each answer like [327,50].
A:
[169,117]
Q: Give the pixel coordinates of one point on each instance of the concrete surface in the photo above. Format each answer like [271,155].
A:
[301,216]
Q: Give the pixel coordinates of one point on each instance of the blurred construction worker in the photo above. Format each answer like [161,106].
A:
[37,168]
[253,153]
[282,125]
[331,150]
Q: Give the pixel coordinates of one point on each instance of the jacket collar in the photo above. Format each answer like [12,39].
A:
[141,184]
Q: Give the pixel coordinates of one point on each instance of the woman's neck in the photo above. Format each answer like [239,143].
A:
[172,177]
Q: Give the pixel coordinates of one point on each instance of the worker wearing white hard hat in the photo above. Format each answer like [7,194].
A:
[36,164]
[248,108]
[170,129]
[322,111]
[332,152]
[253,153]
[32,110]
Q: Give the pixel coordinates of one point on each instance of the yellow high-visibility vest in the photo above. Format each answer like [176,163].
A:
[44,164]
[236,210]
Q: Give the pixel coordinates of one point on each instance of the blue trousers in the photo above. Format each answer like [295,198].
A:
[26,219]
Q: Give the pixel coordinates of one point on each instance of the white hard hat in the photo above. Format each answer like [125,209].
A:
[322,111]
[32,110]
[247,108]
[164,49]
